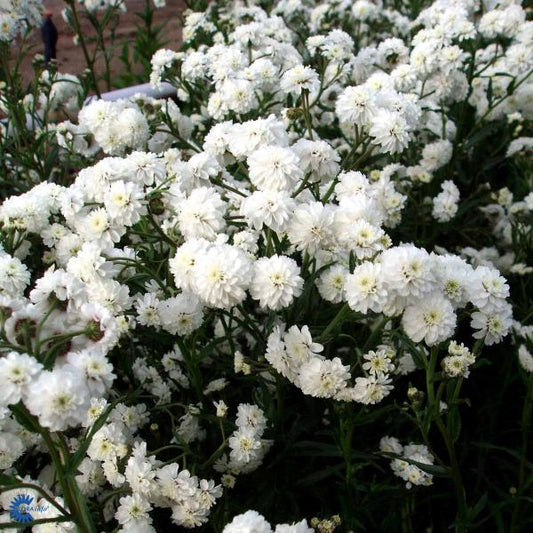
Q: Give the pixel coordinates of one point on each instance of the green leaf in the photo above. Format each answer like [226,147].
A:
[513,453]
[478,507]
[320,475]
[25,419]
[480,136]
[511,87]
[435,470]
[77,457]
[454,422]
[6,480]
[316,449]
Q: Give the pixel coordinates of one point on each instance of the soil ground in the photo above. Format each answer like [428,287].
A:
[70,56]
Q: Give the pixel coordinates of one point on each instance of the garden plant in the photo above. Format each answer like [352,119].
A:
[294,297]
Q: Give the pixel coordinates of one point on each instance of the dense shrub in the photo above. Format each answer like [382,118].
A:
[298,292]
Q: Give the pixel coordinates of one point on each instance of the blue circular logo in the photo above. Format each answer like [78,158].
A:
[19,509]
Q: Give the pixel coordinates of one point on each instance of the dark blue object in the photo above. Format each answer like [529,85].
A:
[49,37]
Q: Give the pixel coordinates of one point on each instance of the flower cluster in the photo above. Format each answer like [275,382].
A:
[253,521]
[410,463]
[16,17]
[314,217]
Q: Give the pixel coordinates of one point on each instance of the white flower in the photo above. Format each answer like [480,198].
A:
[323,378]
[489,288]
[216,141]
[160,61]
[370,390]
[351,184]
[453,276]
[222,275]
[14,275]
[201,215]
[174,484]
[116,126]
[16,372]
[408,270]
[436,155]
[318,158]
[492,324]
[525,358]
[331,283]
[411,474]
[133,511]
[458,361]
[378,363]
[215,386]
[246,240]
[518,145]
[276,282]
[274,168]
[277,356]
[356,105]
[249,522]
[96,368]
[246,138]
[271,208]
[365,289]
[182,265]
[222,408]
[311,227]
[431,319]
[357,222]
[298,78]
[244,444]
[390,445]
[454,366]
[263,73]
[48,511]
[445,203]
[390,131]
[238,96]
[11,448]
[181,314]
[300,346]
[140,472]
[146,306]
[201,168]
[59,398]
[299,527]
[123,202]
[251,416]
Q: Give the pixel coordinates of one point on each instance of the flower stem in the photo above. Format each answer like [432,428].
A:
[526,418]
[338,319]
[434,413]
[307,113]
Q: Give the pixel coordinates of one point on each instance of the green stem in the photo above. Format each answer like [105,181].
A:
[41,491]
[37,349]
[25,525]
[59,454]
[101,42]
[161,233]
[434,414]
[302,186]
[460,525]
[216,454]
[307,113]
[337,320]
[73,496]
[89,62]
[346,430]
[526,419]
